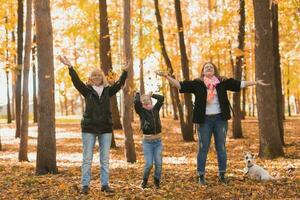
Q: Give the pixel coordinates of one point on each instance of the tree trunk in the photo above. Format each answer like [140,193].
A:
[7,69]
[244,102]
[142,84]
[185,72]
[46,145]
[170,70]
[231,57]
[105,59]
[25,101]
[298,104]
[128,89]
[13,80]
[8,98]
[19,68]
[35,108]
[288,89]
[236,121]
[279,95]
[244,91]
[175,112]
[66,103]
[72,107]
[209,6]
[270,143]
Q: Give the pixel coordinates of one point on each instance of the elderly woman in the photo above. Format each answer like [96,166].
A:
[96,121]
[211,112]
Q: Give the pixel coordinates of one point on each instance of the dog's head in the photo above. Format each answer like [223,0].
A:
[249,158]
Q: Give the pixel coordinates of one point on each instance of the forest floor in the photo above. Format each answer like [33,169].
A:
[179,177]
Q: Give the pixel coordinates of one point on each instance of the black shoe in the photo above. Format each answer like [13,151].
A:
[85,189]
[156,183]
[202,179]
[144,183]
[106,188]
[222,178]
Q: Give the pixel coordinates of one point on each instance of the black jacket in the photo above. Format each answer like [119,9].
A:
[150,120]
[198,88]
[97,115]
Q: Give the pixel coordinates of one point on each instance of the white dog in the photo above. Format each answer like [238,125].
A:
[254,171]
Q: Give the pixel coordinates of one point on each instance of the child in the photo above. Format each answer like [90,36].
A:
[151,127]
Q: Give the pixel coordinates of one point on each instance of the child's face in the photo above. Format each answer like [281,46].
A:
[146,100]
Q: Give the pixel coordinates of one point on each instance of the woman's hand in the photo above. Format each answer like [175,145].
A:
[262,83]
[125,67]
[65,61]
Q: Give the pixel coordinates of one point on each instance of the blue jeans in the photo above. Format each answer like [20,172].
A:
[214,124]
[88,141]
[152,153]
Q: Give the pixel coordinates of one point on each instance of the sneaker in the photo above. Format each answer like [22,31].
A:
[85,189]
[144,183]
[156,183]
[222,178]
[106,188]
[202,179]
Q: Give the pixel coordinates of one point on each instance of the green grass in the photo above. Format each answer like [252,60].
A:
[65,119]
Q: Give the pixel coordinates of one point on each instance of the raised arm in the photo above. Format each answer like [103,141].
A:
[172,80]
[79,85]
[117,85]
[160,100]
[137,103]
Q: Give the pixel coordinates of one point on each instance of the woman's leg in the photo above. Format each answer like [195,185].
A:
[104,147]
[88,142]
[158,159]
[204,135]
[220,132]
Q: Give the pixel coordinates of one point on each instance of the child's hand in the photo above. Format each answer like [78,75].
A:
[161,73]
[125,67]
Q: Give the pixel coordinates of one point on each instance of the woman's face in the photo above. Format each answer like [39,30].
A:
[208,70]
[97,78]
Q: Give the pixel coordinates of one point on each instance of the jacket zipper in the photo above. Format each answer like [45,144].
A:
[153,121]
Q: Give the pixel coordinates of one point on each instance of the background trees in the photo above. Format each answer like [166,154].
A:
[169,36]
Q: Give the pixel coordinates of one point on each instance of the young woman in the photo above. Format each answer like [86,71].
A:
[211,112]
[151,127]
[96,122]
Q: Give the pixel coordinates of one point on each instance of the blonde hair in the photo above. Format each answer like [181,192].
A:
[97,70]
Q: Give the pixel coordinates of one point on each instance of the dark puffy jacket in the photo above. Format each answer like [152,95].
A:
[150,120]
[97,115]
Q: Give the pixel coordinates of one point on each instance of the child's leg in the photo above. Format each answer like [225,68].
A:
[158,159]
[148,157]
